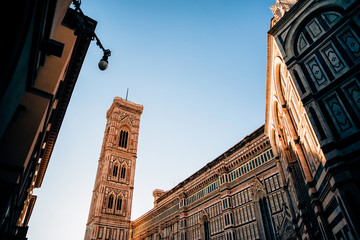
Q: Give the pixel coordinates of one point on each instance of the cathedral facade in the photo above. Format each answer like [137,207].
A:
[296,177]
[238,195]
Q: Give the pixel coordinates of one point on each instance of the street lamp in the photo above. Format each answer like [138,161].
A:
[103,63]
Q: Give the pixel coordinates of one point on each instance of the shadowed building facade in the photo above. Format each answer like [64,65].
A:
[313,113]
[110,209]
[41,59]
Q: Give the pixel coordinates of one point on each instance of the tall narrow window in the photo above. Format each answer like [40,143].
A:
[115,170]
[266,219]
[280,84]
[110,202]
[118,203]
[206,229]
[123,171]
[317,124]
[123,139]
[298,80]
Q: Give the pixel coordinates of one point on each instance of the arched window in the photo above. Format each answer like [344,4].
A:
[123,139]
[118,203]
[115,170]
[110,202]
[123,171]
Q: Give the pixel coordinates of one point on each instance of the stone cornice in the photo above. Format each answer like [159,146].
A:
[269,49]
[258,132]
[65,90]
[125,105]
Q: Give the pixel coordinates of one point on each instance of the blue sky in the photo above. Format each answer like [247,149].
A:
[199,69]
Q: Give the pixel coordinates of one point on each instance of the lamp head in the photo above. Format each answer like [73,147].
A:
[103,63]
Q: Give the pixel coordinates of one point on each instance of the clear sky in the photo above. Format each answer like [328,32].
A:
[199,69]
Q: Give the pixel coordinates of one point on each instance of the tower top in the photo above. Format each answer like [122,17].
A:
[123,104]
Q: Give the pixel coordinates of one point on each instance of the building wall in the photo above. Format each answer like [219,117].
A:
[110,209]
[42,60]
[239,195]
[312,112]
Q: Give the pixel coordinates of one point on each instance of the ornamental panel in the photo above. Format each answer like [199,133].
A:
[334,60]
[352,92]
[331,18]
[302,43]
[351,43]
[317,73]
[315,29]
[339,115]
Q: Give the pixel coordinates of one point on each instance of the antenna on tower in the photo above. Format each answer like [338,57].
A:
[127,92]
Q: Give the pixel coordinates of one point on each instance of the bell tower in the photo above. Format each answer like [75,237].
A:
[110,209]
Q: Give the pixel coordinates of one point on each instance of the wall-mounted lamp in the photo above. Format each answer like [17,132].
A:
[103,63]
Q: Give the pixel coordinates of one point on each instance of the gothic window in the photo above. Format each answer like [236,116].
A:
[115,171]
[123,171]
[110,202]
[123,139]
[206,230]
[264,208]
[118,203]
